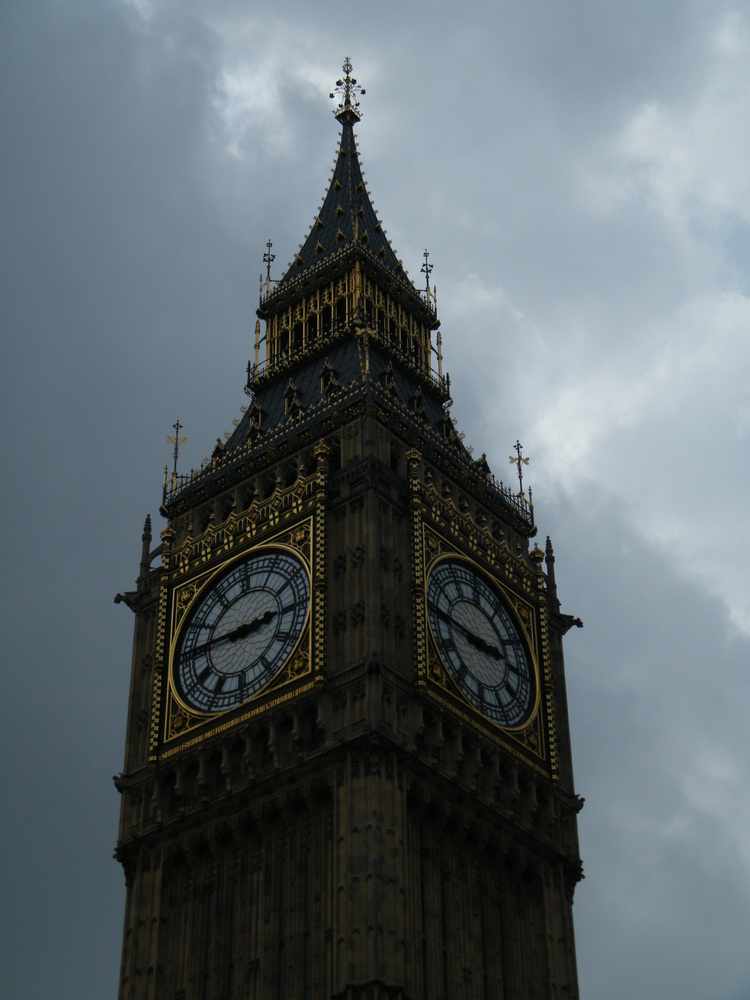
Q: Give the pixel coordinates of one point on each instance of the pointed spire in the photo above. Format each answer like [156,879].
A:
[549,556]
[346,221]
[146,546]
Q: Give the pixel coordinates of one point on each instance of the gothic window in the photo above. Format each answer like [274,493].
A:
[289,475]
[282,931]
[209,942]
[387,378]
[448,428]
[326,320]
[329,380]
[293,405]
[482,466]
[269,485]
[231,993]
[297,337]
[255,421]
[308,926]
[334,461]
[418,404]
[341,312]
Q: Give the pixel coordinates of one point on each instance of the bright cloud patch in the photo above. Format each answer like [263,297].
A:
[689,157]
[665,429]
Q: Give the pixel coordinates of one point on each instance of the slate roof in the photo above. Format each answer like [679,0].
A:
[344,357]
[345,227]
[346,216]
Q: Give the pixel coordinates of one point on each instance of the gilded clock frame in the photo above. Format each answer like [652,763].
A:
[187,596]
[522,618]
[292,519]
[440,530]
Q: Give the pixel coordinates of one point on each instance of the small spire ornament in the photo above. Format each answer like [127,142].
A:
[176,440]
[347,89]
[268,259]
[427,271]
[519,461]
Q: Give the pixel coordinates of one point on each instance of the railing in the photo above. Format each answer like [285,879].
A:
[237,457]
[271,367]
[521,504]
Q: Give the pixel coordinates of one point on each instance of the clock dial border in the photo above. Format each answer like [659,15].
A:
[477,635]
[175,726]
[195,665]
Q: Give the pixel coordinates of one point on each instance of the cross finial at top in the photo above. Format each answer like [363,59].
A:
[176,440]
[519,461]
[268,259]
[348,89]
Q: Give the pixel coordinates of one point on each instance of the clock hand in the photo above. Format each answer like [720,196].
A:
[481,645]
[236,633]
[477,641]
[249,627]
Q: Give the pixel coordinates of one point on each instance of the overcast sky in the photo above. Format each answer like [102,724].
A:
[579,173]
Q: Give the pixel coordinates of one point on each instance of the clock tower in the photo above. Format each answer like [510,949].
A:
[348,769]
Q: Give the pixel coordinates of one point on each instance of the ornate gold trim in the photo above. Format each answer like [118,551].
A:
[170,718]
[180,719]
[222,727]
[416,513]
[319,562]
[244,527]
[537,735]
[546,658]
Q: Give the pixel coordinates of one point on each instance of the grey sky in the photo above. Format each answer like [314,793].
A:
[578,172]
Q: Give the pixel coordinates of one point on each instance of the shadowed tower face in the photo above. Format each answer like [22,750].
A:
[348,770]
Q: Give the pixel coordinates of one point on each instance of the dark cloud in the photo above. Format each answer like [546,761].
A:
[150,151]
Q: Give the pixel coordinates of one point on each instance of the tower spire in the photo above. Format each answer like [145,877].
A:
[346,222]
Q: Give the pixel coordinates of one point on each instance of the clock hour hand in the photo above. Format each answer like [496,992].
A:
[236,633]
[248,628]
[479,643]
[476,640]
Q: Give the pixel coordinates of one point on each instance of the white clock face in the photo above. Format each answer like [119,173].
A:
[480,643]
[241,630]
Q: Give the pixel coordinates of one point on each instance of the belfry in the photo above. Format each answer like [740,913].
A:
[348,769]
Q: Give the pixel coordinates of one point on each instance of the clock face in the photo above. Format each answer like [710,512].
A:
[480,643]
[241,630]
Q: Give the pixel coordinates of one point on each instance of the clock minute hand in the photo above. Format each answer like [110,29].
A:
[236,633]
[249,627]
[477,641]
[481,645]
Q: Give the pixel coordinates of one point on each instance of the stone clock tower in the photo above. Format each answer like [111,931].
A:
[348,770]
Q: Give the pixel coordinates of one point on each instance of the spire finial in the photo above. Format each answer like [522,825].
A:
[426,271]
[176,440]
[519,461]
[348,89]
[268,259]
